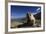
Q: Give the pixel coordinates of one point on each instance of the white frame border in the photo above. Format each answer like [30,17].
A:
[23,29]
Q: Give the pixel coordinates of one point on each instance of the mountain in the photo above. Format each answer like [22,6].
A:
[21,20]
[38,15]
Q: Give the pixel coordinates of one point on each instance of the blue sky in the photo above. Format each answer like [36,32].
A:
[20,11]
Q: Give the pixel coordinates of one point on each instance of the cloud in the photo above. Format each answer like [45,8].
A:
[38,9]
[34,13]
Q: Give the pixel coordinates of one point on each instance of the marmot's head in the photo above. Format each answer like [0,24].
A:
[29,14]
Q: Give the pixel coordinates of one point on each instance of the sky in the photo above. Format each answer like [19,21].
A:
[20,11]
